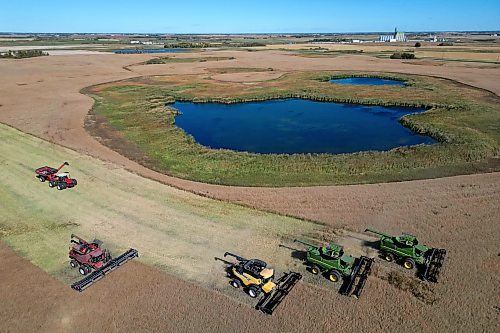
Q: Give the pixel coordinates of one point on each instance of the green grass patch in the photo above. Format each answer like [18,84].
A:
[167,60]
[464,119]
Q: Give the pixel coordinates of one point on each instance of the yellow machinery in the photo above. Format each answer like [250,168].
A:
[254,276]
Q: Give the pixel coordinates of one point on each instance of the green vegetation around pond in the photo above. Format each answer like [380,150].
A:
[131,117]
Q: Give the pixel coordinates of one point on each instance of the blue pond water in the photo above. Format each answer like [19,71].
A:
[370,81]
[296,126]
[131,51]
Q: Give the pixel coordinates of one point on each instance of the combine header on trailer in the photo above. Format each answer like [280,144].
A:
[255,277]
[332,261]
[407,250]
[90,256]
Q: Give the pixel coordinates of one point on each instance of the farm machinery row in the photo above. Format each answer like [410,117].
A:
[60,180]
[255,278]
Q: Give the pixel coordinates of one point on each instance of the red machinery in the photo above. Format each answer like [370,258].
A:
[87,255]
[60,180]
[90,256]
[48,173]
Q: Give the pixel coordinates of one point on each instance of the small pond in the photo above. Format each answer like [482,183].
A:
[369,81]
[296,126]
[134,51]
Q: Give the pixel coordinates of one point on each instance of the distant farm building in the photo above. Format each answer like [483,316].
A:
[398,36]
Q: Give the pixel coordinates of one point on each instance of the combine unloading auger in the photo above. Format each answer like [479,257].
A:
[103,271]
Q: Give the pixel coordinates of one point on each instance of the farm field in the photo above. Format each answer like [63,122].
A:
[180,233]
[127,204]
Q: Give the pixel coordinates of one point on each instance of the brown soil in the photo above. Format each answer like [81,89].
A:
[41,96]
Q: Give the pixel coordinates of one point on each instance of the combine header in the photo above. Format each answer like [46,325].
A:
[256,278]
[410,253]
[89,256]
[337,265]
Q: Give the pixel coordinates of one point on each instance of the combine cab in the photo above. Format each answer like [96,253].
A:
[89,256]
[332,261]
[407,250]
[254,276]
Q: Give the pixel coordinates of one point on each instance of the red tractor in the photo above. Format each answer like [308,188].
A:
[60,180]
[87,255]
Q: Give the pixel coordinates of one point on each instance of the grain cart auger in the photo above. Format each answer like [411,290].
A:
[90,256]
[332,261]
[410,253]
[256,278]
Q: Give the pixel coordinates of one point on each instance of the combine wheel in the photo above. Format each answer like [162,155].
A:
[388,257]
[61,186]
[51,184]
[315,269]
[73,263]
[408,263]
[235,284]
[334,276]
[83,270]
[41,179]
[253,291]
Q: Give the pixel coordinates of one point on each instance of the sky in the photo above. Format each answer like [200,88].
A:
[251,16]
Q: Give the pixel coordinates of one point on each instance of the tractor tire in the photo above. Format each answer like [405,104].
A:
[41,179]
[61,186]
[83,270]
[73,263]
[334,276]
[388,257]
[51,184]
[235,283]
[315,269]
[408,263]
[253,291]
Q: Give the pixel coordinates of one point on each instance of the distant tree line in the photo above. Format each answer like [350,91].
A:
[403,55]
[198,45]
[23,54]
[330,40]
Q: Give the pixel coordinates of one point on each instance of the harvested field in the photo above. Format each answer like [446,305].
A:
[41,96]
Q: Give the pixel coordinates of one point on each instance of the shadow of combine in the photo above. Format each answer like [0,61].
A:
[295,253]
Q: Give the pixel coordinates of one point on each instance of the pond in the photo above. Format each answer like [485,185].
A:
[296,126]
[369,81]
[134,51]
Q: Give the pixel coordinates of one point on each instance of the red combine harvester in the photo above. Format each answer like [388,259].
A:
[90,256]
[55,179]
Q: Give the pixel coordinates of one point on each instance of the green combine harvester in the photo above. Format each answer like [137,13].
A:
[411,254]
[337,265]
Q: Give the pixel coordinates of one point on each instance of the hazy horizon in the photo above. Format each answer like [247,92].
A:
[257,17]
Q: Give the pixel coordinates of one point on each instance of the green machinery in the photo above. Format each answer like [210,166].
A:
[337,265]
[411,254]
